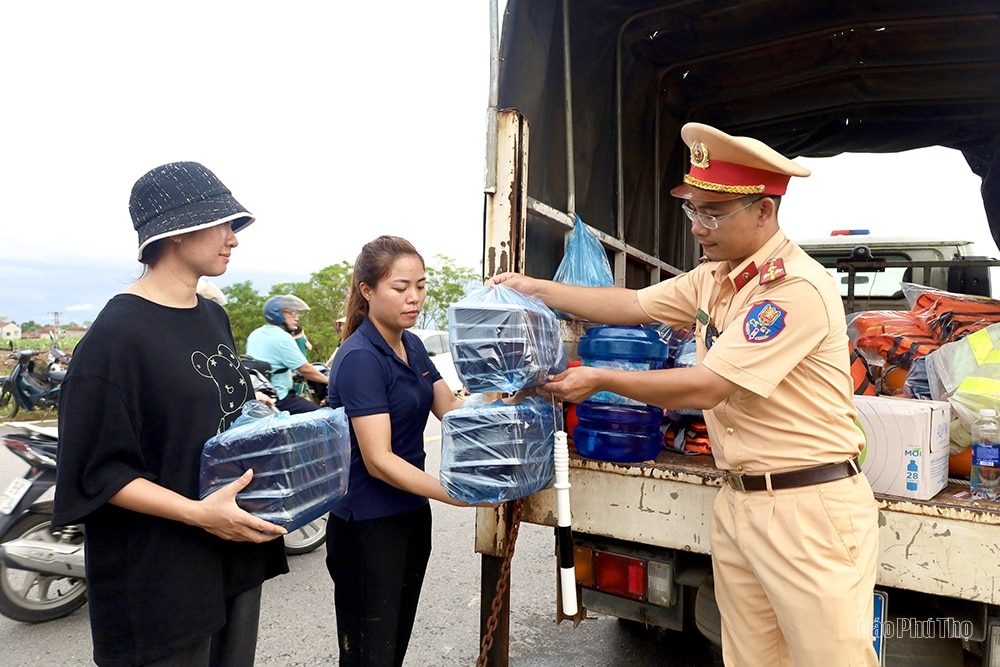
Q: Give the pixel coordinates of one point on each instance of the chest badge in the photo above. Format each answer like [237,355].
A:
[764,322]
[772,270]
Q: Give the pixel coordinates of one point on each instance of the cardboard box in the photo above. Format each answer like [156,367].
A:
[907,452]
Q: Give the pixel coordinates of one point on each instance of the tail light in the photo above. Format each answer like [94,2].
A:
[628,576]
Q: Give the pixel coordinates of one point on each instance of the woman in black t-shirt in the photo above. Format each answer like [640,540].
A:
[172,580]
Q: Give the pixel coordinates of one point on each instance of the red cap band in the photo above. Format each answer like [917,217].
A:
[723,176]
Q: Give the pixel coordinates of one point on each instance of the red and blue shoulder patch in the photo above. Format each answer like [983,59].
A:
[764,322]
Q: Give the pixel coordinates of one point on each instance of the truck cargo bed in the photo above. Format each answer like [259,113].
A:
[668,503]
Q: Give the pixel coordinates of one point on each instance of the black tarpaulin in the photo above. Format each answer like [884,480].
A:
[811,79]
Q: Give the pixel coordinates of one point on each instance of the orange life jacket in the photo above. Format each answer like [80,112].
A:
[861,373]
[899,337]
[953,316]
[687,434]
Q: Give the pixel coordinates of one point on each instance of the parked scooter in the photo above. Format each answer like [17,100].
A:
[41,567]
[30,389]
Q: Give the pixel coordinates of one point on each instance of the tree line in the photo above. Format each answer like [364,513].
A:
[326,293]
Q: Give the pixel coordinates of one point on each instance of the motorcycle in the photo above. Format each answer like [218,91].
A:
[41,567]
[30,389]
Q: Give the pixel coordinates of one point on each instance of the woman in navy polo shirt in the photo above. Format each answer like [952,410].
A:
[379,538]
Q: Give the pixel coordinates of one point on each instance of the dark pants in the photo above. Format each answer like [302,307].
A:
[294,404]
[232,645]
[378,569]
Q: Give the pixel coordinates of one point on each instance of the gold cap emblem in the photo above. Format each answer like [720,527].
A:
[699,155]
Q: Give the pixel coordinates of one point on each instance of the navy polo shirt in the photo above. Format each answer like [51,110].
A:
[368,378]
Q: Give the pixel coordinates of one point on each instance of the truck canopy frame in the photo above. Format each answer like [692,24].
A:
[907,75]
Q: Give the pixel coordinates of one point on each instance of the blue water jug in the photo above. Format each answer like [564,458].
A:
[623,348]
[619,433]
[612,427]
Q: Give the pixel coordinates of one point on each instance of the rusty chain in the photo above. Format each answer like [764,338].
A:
[491,624]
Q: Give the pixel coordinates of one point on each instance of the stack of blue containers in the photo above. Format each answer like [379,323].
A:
[501,341]
[494,452]
[301,463]
[612,427]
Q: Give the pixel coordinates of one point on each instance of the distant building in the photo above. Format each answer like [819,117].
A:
[47,332]
[9,331]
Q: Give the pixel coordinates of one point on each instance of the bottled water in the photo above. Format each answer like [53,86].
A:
[985,477]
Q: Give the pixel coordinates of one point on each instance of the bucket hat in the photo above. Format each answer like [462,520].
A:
[181,197]
[726,167]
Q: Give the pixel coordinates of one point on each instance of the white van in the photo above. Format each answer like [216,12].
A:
[881,264]
[439,350]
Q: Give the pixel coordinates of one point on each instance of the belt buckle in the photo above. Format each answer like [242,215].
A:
[734,481]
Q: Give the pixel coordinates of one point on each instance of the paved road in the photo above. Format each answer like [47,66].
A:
[298,628]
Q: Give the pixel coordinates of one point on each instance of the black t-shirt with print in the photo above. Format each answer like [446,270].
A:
[147,386]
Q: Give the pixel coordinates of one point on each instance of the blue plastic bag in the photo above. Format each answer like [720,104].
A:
[585,262]
[492,453]
[301,463]
[504,341]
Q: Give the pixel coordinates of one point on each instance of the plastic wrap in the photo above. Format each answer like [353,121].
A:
[585,262]
[951,316]
[917,383]
[896,337]
[953,362]
[301,462]
[684,354]
[504,341]
[494,452]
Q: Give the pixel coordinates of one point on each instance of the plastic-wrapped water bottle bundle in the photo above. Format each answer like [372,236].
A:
[504,341]
[300,462]
[494,452]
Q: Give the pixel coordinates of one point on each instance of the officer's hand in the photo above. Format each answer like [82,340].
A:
[515,281]
[573,384]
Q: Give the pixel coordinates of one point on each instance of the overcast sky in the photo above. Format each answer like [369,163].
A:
[333,122]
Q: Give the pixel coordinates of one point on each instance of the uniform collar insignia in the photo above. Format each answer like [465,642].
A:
[748,273]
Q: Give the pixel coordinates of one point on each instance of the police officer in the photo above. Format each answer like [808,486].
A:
[794,528]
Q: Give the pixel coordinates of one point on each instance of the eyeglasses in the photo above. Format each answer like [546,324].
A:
[293,313]
[711,221]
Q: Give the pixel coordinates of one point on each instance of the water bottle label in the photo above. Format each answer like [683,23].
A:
[611,397]
[986,455]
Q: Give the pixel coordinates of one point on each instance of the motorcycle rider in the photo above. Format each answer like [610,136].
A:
[273,343]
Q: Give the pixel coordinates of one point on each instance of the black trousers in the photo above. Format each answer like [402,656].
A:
[233,645]
[378,567]
[294,404]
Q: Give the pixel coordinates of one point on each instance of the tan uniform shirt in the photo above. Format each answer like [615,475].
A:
[783,340]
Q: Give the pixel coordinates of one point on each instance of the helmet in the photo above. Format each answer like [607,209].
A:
[275,306]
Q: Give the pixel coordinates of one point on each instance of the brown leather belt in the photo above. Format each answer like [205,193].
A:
[795,478]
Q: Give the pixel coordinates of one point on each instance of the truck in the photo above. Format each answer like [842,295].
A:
[587,99]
